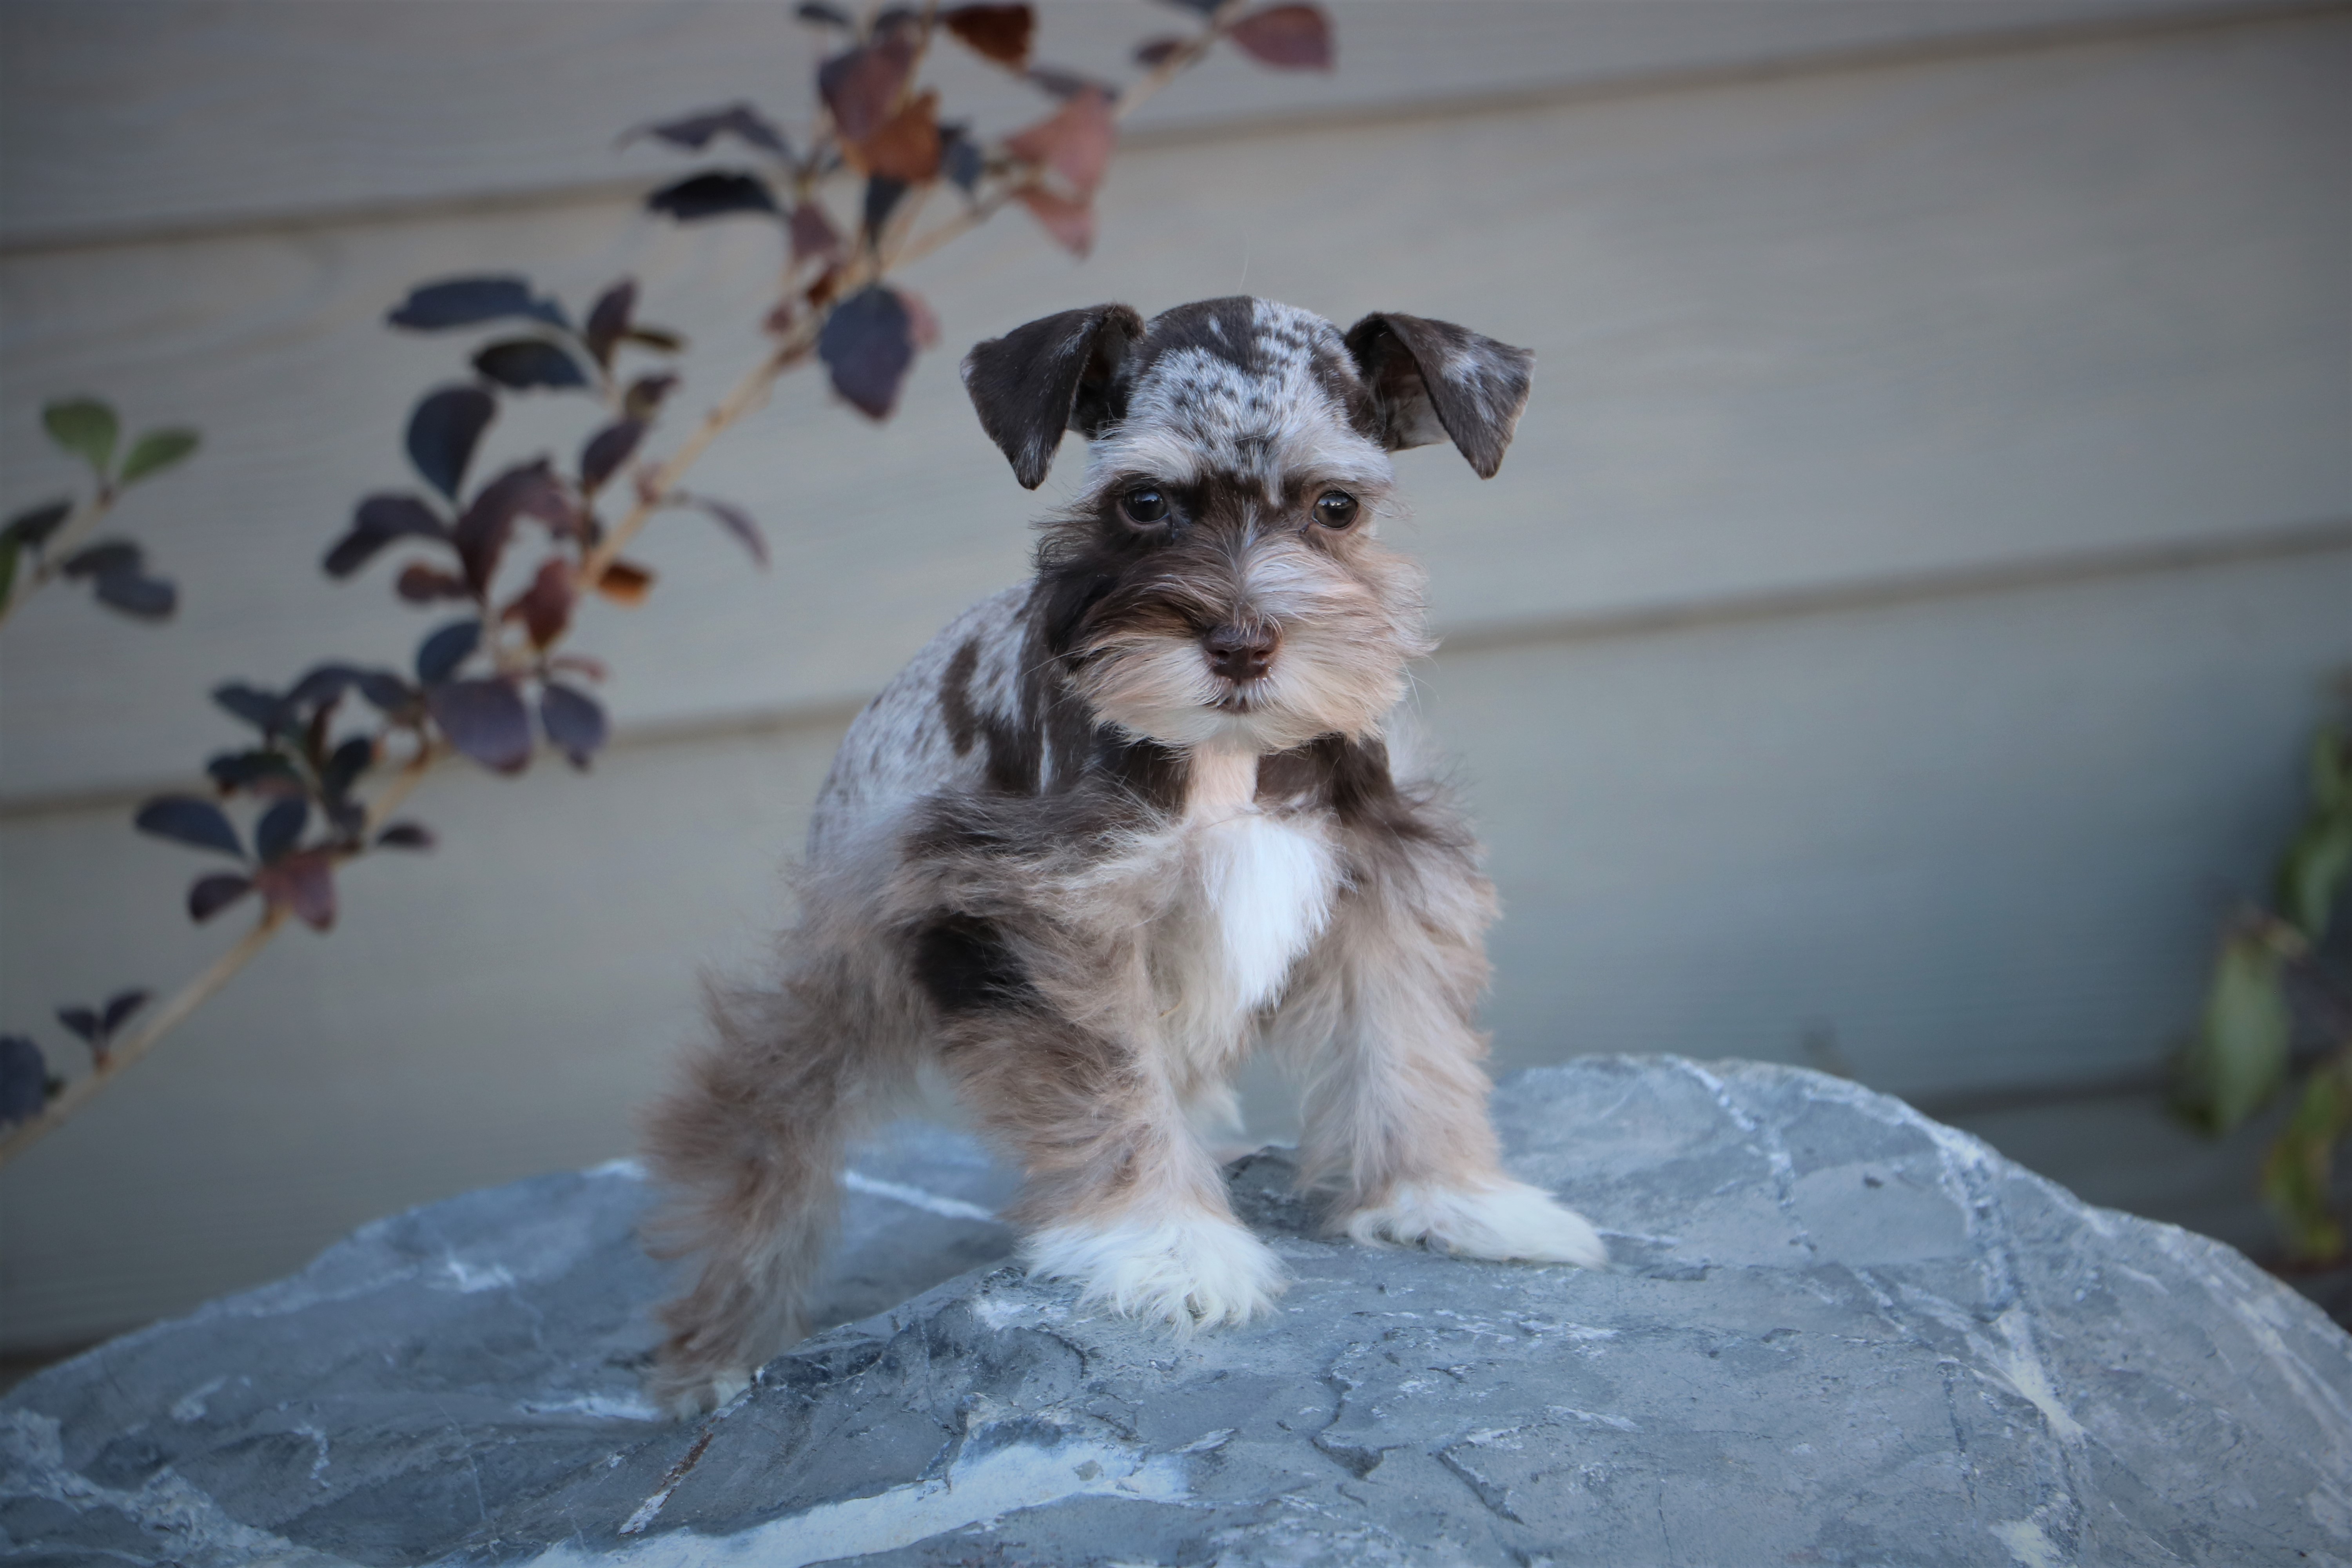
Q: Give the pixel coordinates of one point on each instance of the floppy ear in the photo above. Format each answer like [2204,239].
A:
[1060,373]
[1430,380]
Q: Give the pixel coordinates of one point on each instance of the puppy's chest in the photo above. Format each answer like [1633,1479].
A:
[1260,886]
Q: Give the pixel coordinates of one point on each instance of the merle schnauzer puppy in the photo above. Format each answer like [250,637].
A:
[1117,827]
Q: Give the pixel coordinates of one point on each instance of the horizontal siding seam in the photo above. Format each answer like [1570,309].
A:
[1639,83]
[2239,547]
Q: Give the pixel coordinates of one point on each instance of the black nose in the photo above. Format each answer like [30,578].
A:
[1240,653]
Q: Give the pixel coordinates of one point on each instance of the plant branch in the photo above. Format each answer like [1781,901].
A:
[653,492]
[122,1057]
[201,989]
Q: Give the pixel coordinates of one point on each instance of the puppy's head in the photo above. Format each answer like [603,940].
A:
[1218,579]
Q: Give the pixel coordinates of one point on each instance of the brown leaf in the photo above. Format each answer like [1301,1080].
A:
[1288,38]
[1075,143]
[861,86]
[1072,224]
[303,884]
[813,231]
[421,584]
[625,583]
[1000,32]
[907,148]
[545,607]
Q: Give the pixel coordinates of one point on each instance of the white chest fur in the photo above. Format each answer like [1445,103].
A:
[1265,882]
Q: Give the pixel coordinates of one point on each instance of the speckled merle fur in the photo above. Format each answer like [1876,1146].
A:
[1114,828]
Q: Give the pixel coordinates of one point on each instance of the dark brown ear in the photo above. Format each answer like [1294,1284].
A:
[1057,374]
[1430,380]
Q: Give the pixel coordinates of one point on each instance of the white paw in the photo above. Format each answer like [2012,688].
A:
[1196,1271]
[1498,1219]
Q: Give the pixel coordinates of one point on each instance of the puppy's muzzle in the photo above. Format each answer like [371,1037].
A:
[1241,654]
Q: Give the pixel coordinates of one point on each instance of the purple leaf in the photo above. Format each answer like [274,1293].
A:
[262,772]
[280,829]
[384,691]
[135,594]
[380,519]
[883,195]
[609,318]
[83,1023]
[468,301]
[185,819]
[444,431]
[321,684]
[264,711]
[445,650]
[645,394]
[735,520]
[102,559]
[607,450]
[714,194]
[485,719]
[575,721]
[867,343]
[35,525]
[24,1080]
[303,883]
[482,532]
[1288,38]
[862,85]
[960,157]
[406,836]
[344,766]
[119,1007]
[694,132]
[814,234]
[209,896]
[523,364]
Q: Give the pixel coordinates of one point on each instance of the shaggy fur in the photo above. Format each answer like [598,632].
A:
[1115,828]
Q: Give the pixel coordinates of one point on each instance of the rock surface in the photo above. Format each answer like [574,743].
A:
[1835,1332]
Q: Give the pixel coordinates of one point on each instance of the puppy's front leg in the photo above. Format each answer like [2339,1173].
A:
[1122,1197]
[1396,1103]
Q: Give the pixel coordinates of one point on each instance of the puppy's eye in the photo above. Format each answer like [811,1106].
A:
[1144,506]
[1336,508]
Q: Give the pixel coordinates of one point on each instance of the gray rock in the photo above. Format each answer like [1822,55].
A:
[1836,1333]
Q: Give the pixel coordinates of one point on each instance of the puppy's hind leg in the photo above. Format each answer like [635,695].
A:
[749,1149]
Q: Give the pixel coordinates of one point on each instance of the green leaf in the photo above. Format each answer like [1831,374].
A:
[2312,876]
[2239,1053]
[10,548]
[86,428]
[2298,1173]
[155,451]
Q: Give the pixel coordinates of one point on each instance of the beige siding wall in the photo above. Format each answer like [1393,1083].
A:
[1893,633]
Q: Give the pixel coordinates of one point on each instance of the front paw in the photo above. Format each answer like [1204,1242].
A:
[1195,1271]
[1498,1219]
